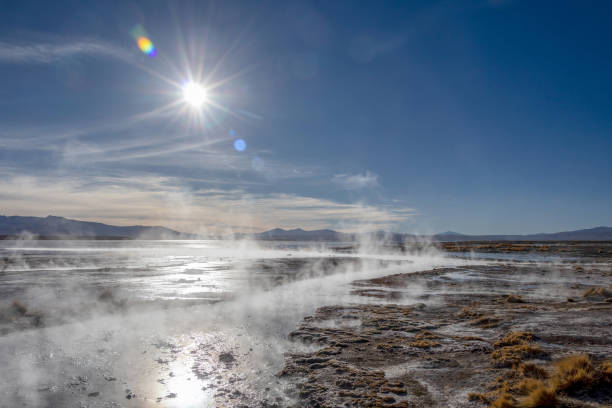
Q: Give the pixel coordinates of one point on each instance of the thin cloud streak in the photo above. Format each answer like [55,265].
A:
[37,137]
[164,201]
[45,53]
[356,181]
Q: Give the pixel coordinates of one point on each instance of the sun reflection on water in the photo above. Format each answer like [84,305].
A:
[177,384]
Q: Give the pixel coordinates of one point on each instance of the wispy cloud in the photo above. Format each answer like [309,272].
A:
[151,200]
[356,181]
[365,48]
[44,53]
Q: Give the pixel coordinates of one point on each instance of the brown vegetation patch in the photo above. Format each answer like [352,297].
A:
[531,386]
[424,344]
[515,338]
[597,293]
[426,334]
[513,355]
[405,342]
[486,322]
[477,396]
[531,370]
[513,299]
[514,347]
[540,396]
[573,373]
[505,400]
[469,313]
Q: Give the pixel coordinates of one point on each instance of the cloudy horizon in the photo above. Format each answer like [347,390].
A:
[422,118]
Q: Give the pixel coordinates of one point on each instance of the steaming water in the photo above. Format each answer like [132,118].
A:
[514,257]
[172,323]
[146,270]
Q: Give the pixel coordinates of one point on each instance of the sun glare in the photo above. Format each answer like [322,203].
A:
[194,94]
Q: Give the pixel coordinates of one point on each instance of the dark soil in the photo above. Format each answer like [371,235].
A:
[439,350]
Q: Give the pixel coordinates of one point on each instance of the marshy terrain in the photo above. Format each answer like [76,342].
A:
[502,335]
[203,324]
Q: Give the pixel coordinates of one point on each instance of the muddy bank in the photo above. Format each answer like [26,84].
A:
[466,342]
[600,250]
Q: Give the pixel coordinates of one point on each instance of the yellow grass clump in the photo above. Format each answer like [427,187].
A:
[470,313]
[540,396]
[477,396]
[486,322]
[515,338]
[597,293]
[514,299]
[534,394]
[531,370]
[424,344]
[606,371]
[513,355]
[514,347]
[505,400]
[528,386]
[426,334]
[574,372]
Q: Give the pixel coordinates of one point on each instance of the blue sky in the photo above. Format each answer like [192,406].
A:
[476,116]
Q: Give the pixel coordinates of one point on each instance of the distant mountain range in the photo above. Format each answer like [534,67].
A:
[58,227]
[52,226]
[592,234]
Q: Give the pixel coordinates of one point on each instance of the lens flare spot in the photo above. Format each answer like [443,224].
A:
[240,145]
[139,34]
[146,46]
[194,94]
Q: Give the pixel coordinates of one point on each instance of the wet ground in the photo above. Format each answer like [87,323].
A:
[438,352]
[192,325]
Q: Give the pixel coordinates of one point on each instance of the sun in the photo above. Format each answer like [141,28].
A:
[194,94]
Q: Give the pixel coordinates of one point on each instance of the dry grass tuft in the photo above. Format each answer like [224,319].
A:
[573,373]
[513,299]
[476,396]
[514,347]
[606,371]
[512,355]
[531,386]
[426,334]
[486,322]
[515,338]
[505,400]
[424,344]
[540,396]
[531,370]
[469,338]
[597,293]
[469,313]
[537,395]
[527,385]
